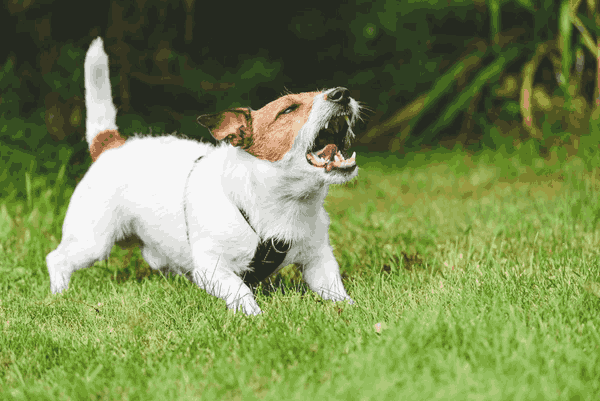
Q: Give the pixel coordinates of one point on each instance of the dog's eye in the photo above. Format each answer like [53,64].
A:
[288,110]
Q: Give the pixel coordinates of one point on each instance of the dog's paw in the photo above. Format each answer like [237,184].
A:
[59,277]
[58,284]
[346,299]
[253,312]
[57,288]
[336,297]
[246,305]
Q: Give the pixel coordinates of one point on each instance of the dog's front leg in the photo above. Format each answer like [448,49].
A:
[322,274]
[221,282]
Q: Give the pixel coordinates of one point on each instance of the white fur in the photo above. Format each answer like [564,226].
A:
[146,187]
[101,113]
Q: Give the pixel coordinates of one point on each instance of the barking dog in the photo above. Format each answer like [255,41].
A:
[224,216]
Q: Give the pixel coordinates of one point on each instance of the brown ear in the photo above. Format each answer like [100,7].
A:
[233,125]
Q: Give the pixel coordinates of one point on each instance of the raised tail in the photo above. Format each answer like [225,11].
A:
[100,110]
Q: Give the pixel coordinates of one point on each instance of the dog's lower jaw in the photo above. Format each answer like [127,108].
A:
[319,174]
[319,178]
[340,177]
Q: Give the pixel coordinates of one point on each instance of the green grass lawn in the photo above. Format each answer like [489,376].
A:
[474,279]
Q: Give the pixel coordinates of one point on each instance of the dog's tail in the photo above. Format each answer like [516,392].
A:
[100,110]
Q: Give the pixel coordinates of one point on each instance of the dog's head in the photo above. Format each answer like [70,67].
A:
[311,131]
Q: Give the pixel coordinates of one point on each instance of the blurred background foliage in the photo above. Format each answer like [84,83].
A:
[507,76]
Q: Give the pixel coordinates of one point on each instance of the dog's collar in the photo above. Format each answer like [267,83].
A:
[269,253]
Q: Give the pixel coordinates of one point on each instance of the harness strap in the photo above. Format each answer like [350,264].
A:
[267,258]
[269,253]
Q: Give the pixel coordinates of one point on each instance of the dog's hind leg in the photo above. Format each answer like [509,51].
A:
[92,224]
[73,254]
[154,258]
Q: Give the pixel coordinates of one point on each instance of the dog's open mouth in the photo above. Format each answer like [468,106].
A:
[329,150]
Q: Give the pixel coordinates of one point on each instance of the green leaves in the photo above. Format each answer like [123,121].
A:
[487,75]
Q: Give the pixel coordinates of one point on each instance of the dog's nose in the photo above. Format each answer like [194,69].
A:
[339,95]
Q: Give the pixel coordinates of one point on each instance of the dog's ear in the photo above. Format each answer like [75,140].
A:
[232,125]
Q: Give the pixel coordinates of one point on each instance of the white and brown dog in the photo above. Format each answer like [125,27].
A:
[227,216]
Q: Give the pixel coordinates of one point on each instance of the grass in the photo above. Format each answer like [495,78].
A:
[474,278]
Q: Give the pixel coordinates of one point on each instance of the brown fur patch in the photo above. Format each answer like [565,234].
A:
[108,139]
[266,133]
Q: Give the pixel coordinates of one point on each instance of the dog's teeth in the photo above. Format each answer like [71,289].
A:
[315,161]
[337,158]
[353,155]
[327,125]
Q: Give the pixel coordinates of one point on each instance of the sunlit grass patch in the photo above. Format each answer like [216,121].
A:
[469,282]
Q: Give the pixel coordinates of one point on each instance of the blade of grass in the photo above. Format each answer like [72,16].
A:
[444,84]
[584,24]
[565,48]
[494,7]
[28,190]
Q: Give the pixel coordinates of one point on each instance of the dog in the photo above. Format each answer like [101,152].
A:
[225,216]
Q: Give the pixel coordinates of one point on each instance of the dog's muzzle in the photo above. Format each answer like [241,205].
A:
[329,150]
[333,139]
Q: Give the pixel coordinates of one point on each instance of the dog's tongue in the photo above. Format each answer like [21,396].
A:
[326,157]
[328,152]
